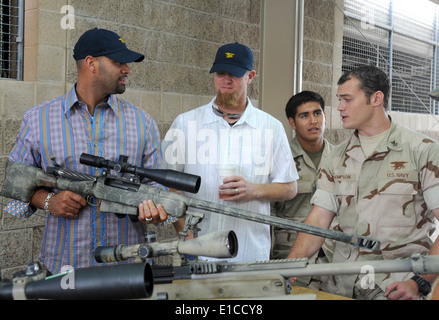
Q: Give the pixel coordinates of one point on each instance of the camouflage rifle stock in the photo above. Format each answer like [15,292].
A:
[122,196]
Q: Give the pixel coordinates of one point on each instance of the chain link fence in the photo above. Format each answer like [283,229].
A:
[401,38]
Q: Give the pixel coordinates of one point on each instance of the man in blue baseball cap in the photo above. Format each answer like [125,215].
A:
[229,130]
[100,42]
[233,58]
[102,59]
[232,61]
[91,118]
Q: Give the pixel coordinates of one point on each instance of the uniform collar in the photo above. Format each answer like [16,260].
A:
[297,150]
[393,141]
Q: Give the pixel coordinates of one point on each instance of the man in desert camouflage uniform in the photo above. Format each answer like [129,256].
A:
[306,115]
[383,183]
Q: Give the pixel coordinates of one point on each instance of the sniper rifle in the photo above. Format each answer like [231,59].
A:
[122,196]
[268,279]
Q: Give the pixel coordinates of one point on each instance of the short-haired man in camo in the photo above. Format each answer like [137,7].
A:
[382,182]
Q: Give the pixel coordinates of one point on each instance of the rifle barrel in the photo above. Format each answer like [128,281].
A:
[418,264]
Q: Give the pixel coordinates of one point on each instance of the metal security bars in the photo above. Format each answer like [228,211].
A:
[11,39]
[401,37]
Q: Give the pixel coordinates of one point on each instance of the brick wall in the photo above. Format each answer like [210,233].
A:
[179,39]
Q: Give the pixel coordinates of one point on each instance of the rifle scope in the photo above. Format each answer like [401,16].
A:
[169,178]
[221,244]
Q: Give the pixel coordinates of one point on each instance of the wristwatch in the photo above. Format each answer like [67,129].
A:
[424,286]
[46,202]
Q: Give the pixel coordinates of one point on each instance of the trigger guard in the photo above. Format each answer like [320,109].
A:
[91,203]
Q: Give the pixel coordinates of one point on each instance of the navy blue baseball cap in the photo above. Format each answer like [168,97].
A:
[100,42]
[233,58]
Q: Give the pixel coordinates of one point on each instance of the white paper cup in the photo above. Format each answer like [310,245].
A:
[223,171]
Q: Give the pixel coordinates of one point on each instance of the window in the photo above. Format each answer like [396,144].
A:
[11,45]
[400,37]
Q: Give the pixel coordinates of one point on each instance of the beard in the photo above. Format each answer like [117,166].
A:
[226,100]
[110,80]
[120,88]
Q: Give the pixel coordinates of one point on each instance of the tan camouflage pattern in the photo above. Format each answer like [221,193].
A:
[297,209]
[381,197]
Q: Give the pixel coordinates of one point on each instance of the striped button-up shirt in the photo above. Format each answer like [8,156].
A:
[65,129]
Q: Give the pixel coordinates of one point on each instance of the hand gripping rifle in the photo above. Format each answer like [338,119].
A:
[122,196]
